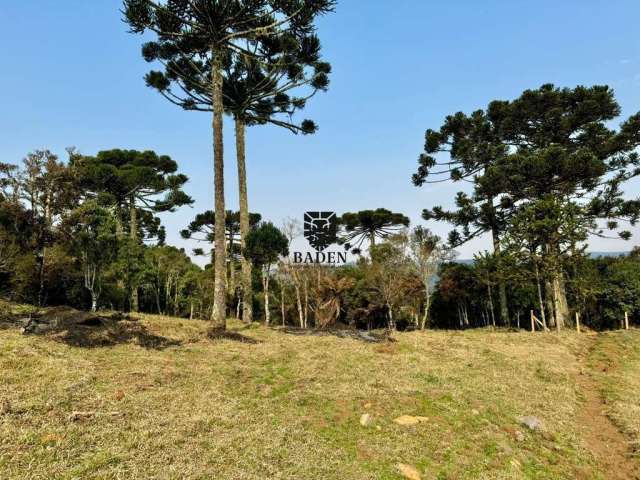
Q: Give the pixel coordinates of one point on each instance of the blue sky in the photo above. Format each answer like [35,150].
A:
[72,75]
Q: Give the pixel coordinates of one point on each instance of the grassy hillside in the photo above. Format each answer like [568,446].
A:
[156,399]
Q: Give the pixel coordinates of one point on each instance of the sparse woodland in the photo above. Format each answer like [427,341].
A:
[122,356]
[540,175]
[83,231]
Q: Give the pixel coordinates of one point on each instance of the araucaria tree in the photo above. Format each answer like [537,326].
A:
[463,149]
[564,173]
[202,229]
[256,93]
[547,171]
[135,186]
[196,39]
[369,225]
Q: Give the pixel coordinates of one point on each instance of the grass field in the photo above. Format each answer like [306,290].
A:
[157,399]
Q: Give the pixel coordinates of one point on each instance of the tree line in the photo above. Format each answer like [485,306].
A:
[542,173]
[77,233]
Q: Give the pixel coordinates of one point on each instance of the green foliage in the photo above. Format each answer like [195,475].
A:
[547,171]
[171,284]
[265,245]
[258,92]
[616,289]
[202,228]
[266,50]
[91,237]
[127,179]
[369,225]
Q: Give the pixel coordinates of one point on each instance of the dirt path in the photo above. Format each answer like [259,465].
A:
[601,436]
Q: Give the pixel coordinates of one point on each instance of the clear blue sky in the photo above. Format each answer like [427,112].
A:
[72,75]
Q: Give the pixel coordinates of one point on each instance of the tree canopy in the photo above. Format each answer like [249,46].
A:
[369,225]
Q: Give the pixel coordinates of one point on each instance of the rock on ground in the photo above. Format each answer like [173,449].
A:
[532,423]
[366,420]
[409,472]
[410,420]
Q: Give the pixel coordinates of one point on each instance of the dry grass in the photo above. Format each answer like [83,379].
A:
[288,406]
[616,360]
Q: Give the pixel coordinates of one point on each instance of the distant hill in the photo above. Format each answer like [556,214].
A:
[608,254]
[469,261]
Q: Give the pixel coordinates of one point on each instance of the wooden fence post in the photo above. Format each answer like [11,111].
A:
[533,323]
[626,320]
[578,322]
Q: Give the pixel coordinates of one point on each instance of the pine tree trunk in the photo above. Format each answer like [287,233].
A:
[548,290]
[299,305]
[133,230]
[41,273]
[119,236]
[564,304]
[540,300]
[119,227]
[493,315]
[427,305]
[560,301]
[94,301]
[306,304]
[282,307]
[265,284]
[220,267]
[247,288]
[157,289]
[232,273]
[43,252]
[502,288]
[175,299]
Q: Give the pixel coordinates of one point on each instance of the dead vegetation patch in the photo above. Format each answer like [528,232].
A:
[363,336]
[85,329]
[234,336]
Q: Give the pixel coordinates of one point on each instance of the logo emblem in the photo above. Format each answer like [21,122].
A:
[320,229]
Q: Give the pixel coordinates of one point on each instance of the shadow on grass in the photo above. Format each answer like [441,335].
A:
[87,330]
[112,334]
[362,336]
[9,323]
[234,336]
[11,319]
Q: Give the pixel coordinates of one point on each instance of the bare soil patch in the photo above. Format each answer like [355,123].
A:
[601,436]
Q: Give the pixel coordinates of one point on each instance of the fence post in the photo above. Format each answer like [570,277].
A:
[578,322]
[533,323]
[626,320]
